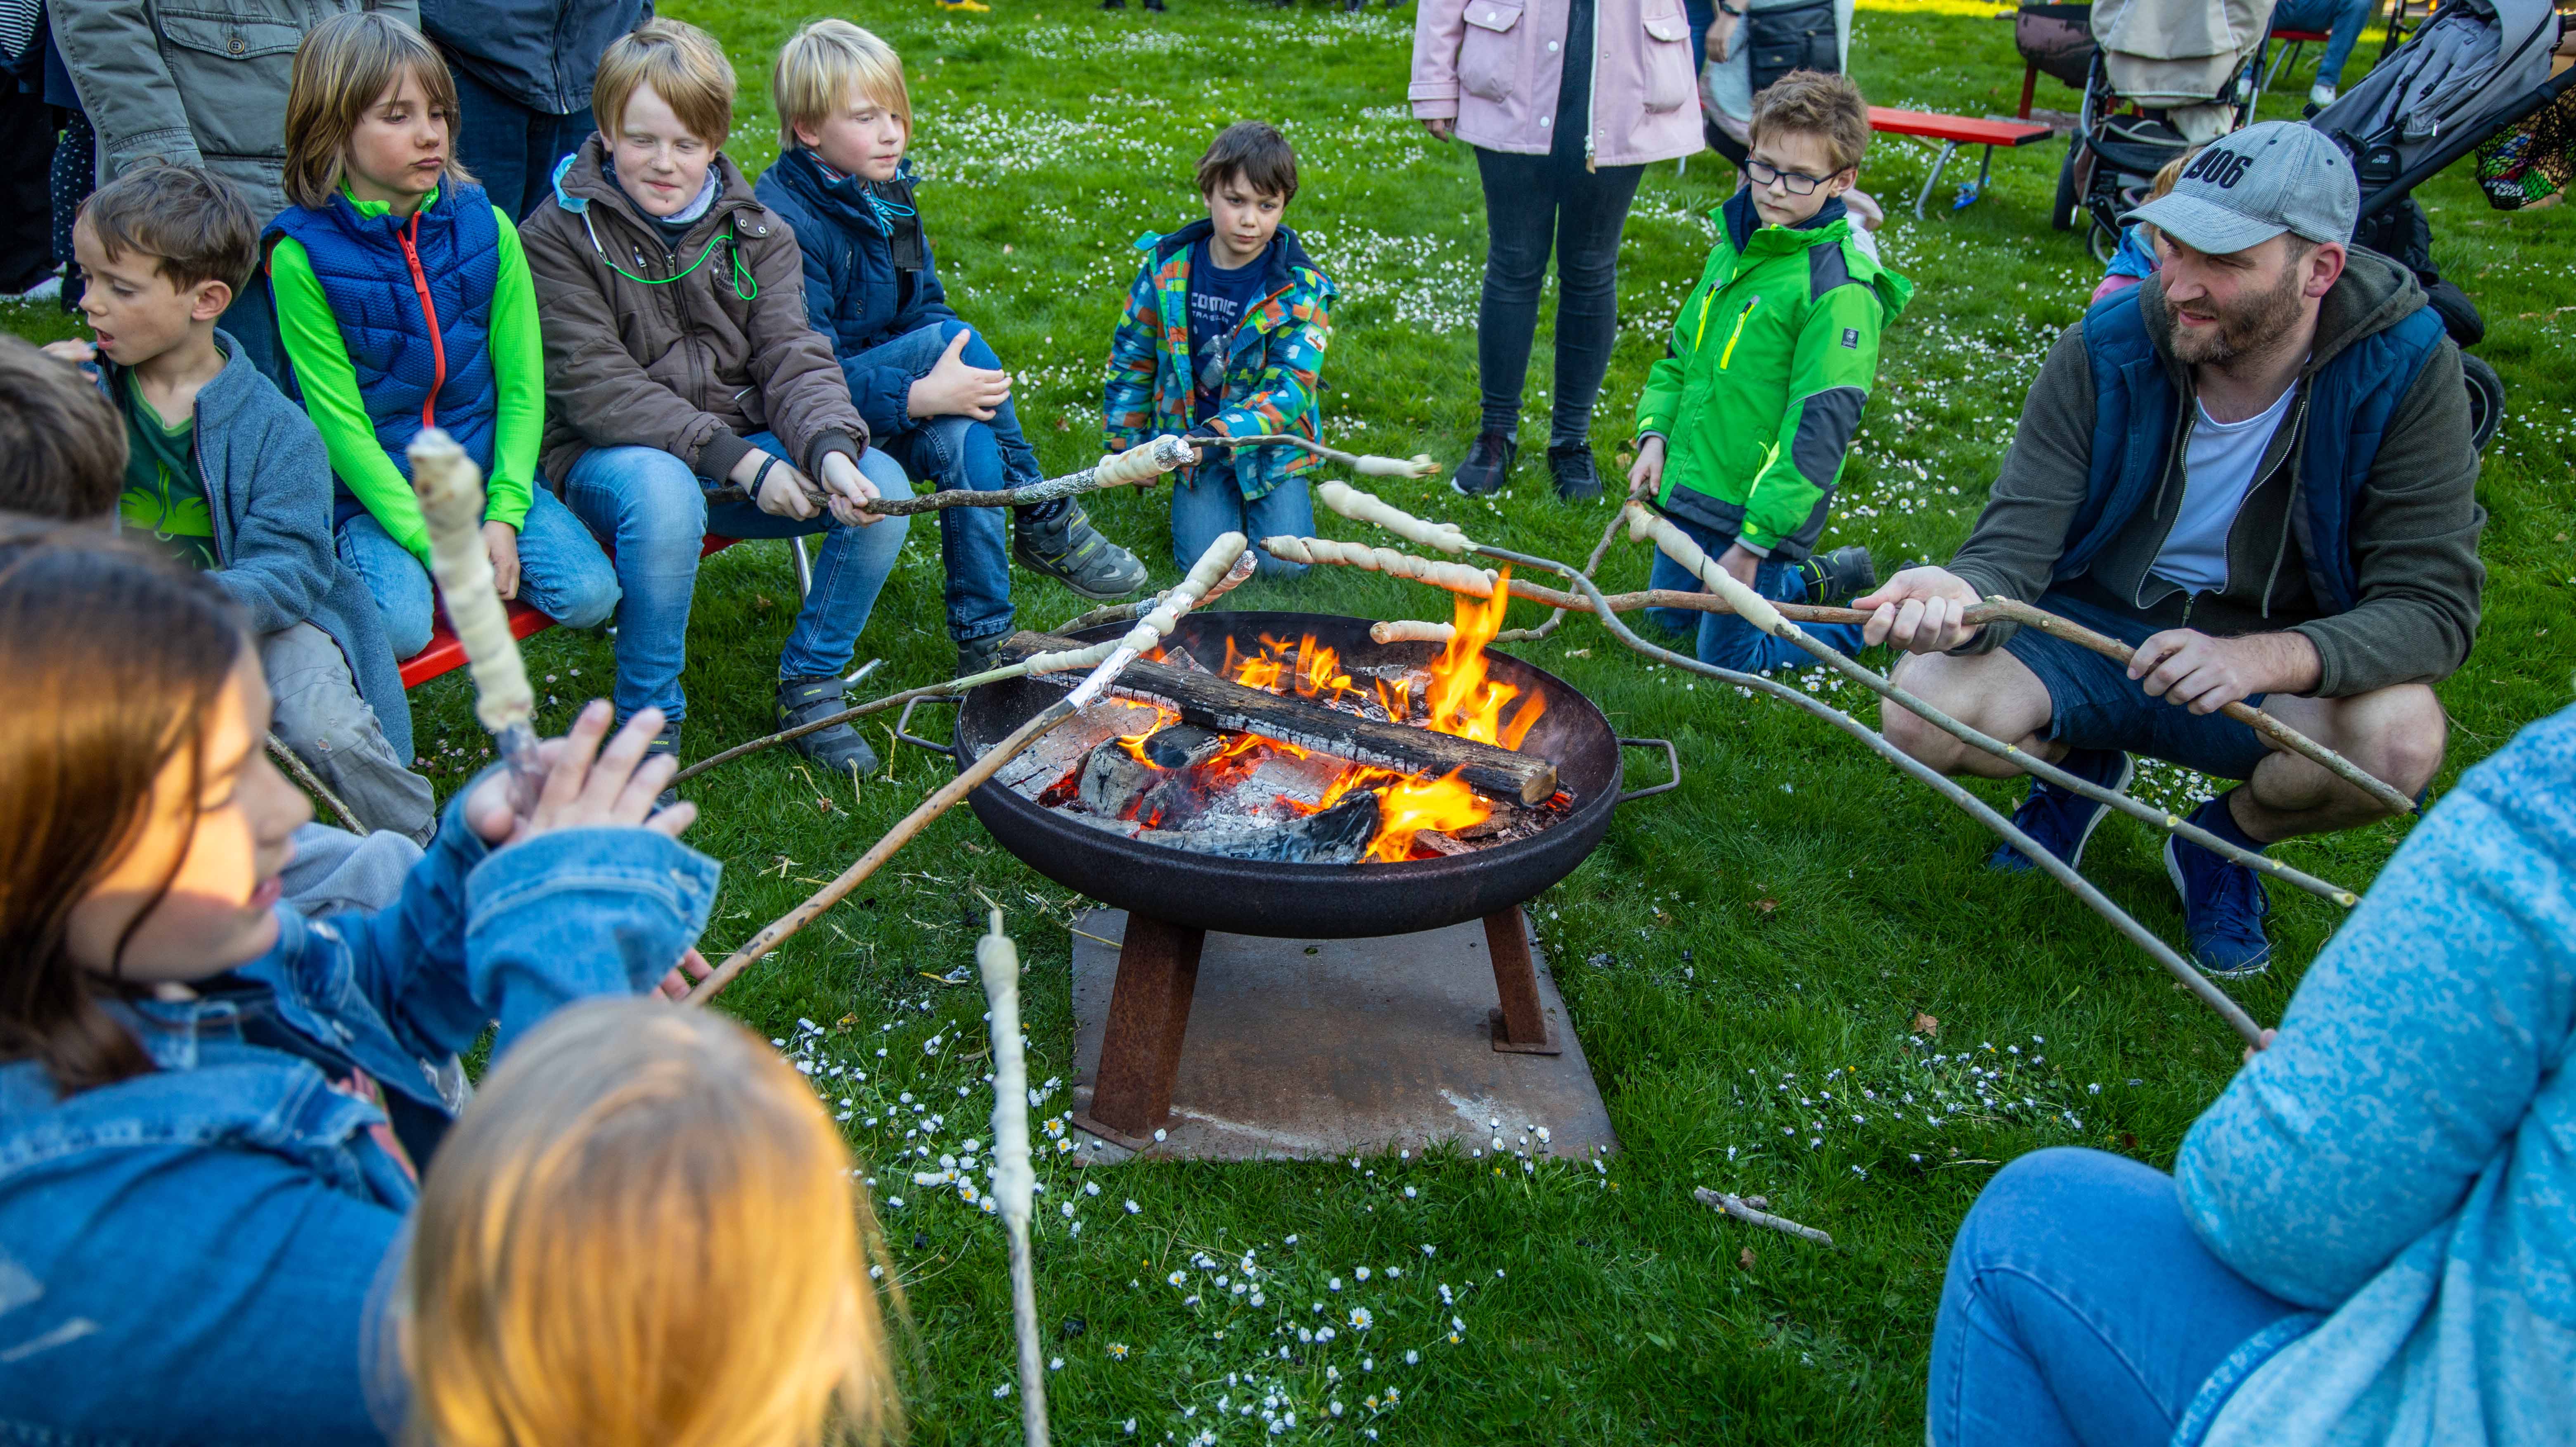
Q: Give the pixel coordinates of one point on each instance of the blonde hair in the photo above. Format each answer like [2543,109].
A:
[2171,172]
[645,1230]
[345,65]
[683,65]
[823,65]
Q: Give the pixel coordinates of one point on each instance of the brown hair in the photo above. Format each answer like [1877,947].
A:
[117,657]
[822,66]
[685,67]
[1253,153]
[345,65]
[62,445]
[193,219]
[644,1230]
[1812,102]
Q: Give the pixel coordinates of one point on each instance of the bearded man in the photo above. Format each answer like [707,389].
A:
[2256,467]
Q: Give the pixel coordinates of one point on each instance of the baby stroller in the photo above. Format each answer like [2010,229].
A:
[2164,76]
[2472,70]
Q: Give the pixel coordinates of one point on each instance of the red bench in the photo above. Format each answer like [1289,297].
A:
[2269,67]
[445,655]
[1953,132]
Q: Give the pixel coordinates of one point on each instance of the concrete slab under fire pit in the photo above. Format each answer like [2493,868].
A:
[1316,1048]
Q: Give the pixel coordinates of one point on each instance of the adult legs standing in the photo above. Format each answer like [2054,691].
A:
[510,148]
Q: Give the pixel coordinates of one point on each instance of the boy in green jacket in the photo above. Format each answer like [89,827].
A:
[1744,423]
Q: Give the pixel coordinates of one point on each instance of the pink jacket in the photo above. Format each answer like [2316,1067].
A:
[1493,65]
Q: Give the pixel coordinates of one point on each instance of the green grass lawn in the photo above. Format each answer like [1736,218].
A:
[1745,958]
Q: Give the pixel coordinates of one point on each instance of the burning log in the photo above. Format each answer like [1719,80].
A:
[1215,703]
[1338,835]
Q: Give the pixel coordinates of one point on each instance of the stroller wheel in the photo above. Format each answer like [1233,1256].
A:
[2070,198]
[2486,399]
[2104,242]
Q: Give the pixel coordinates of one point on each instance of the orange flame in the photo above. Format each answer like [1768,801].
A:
[1134,743]
[1413,805]
[1463,698]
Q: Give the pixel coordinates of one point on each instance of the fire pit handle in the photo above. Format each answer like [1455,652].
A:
[1672,756]
[903,724]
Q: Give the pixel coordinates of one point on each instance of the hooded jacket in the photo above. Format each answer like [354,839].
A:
[2409,557]
[1271,364]
[1495,66]
[1762,381]
[689,349]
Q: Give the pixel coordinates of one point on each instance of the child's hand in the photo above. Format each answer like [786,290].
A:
[1646,477]
[692,968]
[76,352]
[847,490]
[1740,563]
[785,493]
[502,541]
[587,787]
[955,389]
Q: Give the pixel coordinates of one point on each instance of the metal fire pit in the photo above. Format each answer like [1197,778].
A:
[1174,896]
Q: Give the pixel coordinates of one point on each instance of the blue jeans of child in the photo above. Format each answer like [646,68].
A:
[652,511]
[562,573]
[956,453]
[2341,20]
[1728,641]
[1208,508]
[2080,1309]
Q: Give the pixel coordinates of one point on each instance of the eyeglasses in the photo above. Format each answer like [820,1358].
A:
[1762,175]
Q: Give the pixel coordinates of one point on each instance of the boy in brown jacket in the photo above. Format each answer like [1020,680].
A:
[685,391]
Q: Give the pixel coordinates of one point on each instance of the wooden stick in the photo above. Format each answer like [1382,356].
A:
[998,960]
[1366,465]
[1138,466]
[1727,1203]
[1591,565]
[313,785]
[2282,734]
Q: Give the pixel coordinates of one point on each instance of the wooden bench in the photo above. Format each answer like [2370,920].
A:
[445,655]
[1953,132]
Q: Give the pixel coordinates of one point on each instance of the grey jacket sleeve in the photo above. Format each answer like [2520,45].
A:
[2415,547]
[2015,545]
[282,563]
[114,54]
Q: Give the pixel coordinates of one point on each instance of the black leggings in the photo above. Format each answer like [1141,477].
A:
[1533,203]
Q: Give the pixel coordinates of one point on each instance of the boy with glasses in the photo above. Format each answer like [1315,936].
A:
[1744,423]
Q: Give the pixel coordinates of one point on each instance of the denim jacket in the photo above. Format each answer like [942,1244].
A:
[187,1255]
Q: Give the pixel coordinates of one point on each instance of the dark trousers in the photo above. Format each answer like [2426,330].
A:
[26,173]
[1534,204]
[511,149]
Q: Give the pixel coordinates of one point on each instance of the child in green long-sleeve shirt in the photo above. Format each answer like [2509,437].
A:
[1745,422]
[404,302]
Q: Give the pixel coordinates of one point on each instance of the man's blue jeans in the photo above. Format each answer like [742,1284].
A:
[651,510]
[510,148]
[954,453]
[2080,1308]
[1209,507]
[562,573]
[2341,20]
[1728,641]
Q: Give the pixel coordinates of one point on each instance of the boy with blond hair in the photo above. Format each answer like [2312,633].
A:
[1744,425]
[934,395]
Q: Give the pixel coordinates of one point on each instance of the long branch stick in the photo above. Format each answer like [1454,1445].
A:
[1365,464]
[1138,466]
[1727,1203]
[998,960]
[313,785]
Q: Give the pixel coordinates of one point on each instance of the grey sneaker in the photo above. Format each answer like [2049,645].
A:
[665,742]
[1067,548]
[838,748]
[1489,461]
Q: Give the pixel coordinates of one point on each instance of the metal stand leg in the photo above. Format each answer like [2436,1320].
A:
[1520,1024]
[1140,1050]
[1948,149]
[804,567]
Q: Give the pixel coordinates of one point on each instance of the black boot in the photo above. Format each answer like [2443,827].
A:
[1489,461]
[1578,477]
[838,748]
[1839,576]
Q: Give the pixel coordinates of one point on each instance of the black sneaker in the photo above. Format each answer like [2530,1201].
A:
[1839,576]
[1578,477]
[2058,821]
[978,655]
[1066,547]
[838,748]
[1488,462]
[1113,4]
[665,742]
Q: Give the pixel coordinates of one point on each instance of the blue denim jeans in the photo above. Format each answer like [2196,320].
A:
[955,453]
[2080,1309]
[510,148]
[1728,641]
[653,513]
[2341,20]
[1208,508]
[562,573]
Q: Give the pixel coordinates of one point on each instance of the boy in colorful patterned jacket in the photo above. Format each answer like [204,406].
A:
[1224,333]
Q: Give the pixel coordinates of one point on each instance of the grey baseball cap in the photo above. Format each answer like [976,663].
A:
[2245,188]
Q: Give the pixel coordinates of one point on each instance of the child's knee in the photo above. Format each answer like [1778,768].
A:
[407,628]
[975,353]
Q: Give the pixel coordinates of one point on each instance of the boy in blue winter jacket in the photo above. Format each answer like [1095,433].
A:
[934,395]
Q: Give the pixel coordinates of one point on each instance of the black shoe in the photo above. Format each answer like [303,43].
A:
[978,655]
[665,742]
[1839,576]
[838,748]
[1113,4]
[1066,547]
[1578,477]
[1489,461]
[1155,5]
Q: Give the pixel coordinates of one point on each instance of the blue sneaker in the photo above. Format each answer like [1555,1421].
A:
[2223,909]
[2059,821]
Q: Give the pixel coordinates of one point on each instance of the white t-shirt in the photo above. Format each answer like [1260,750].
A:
[2217,471]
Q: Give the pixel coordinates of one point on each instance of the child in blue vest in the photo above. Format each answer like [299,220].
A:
[404,302]
[934,395]
[214,1112]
